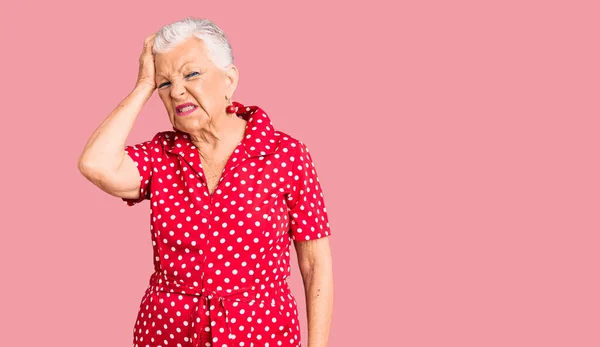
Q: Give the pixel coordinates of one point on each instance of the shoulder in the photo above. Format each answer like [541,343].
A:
[156,144]
[290,144]
[164,139]
[293,149]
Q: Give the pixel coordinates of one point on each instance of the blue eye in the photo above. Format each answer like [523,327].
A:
[188,75]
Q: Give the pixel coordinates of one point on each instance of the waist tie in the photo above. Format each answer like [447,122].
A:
[215,300]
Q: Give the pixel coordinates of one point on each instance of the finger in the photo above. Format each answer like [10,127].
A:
[149,43]
[150,38]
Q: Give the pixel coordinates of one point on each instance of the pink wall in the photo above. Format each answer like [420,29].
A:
[456,144]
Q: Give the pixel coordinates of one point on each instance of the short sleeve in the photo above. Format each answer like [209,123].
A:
[308,215]
[141,154]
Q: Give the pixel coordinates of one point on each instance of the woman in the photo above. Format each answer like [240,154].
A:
[228,193]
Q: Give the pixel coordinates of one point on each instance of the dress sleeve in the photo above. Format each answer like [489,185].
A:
[142,155]
[308,216]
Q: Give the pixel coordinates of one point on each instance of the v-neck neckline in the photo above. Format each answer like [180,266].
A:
[232,162]
[259,140]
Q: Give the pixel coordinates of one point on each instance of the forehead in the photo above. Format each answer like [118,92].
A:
[192,50]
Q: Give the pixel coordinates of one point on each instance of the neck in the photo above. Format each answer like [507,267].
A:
[220,137]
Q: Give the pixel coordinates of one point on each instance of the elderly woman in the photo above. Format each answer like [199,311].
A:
[228,192]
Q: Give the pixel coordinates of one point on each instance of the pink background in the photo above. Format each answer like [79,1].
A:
[456,143]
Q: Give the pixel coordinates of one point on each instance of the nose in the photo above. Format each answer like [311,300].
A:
[177,90]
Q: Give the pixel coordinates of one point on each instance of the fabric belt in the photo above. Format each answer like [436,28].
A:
[217,302]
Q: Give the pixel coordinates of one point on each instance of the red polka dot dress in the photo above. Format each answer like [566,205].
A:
[222,260]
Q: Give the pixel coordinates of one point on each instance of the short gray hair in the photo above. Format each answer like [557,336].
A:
[219,49]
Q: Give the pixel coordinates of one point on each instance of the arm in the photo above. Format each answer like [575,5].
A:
[103,160]
[314,259]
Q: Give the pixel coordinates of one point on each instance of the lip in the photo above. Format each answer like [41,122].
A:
[178,109]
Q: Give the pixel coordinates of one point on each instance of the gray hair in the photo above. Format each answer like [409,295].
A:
[219,49]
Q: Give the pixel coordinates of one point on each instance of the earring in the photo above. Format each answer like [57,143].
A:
[231,108]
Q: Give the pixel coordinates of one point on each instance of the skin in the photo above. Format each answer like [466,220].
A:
[314,259]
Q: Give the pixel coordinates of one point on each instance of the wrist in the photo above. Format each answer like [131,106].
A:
[146,88]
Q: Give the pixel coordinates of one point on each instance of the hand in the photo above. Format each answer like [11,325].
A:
[146,71]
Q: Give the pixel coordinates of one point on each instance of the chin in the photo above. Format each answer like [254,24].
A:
[188,124]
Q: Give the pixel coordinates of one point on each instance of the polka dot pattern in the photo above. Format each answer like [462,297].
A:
[222,260]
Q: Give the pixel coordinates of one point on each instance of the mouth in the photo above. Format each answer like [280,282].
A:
[185,109]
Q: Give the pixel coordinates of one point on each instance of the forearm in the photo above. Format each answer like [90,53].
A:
[318,284]
[104,150]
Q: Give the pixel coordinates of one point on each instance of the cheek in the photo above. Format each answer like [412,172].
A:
[168,104]
[208,91]
[207,99]
[164,97]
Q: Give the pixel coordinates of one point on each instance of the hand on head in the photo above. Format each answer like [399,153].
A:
[146,71]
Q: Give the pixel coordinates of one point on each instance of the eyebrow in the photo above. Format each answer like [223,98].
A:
[182,67]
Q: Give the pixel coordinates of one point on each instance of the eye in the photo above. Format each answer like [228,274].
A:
[163,84]
[192,74]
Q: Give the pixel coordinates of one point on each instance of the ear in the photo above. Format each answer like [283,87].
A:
[232,76]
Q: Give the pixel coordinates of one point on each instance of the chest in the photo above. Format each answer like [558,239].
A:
[213,170]
[243,185]
[246,208]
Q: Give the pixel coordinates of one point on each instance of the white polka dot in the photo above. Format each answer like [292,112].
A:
[238,236]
